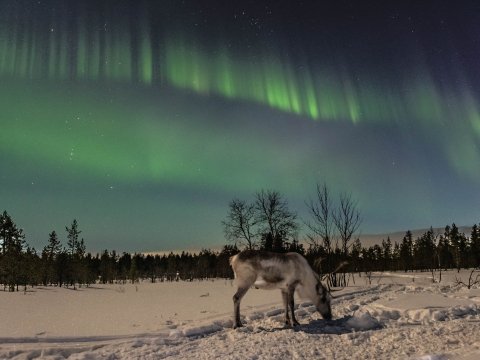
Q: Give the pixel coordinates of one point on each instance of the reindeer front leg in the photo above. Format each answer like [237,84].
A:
[285,306]
[291,302]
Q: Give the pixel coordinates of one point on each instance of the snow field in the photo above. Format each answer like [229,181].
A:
[395,318]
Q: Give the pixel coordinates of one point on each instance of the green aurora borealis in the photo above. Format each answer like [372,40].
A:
[137,129]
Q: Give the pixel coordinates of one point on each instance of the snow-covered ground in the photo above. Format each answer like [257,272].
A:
[397,316]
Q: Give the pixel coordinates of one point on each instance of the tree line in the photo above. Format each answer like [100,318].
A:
[71,266]
[265,223]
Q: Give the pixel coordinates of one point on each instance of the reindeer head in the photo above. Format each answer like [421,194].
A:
[322,301]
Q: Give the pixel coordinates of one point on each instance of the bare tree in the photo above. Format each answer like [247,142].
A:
[322,225]
[347,220]
[271,212]
[239,224]
[328,222]
[471,280]
[322,229]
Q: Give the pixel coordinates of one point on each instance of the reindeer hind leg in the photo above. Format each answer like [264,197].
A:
[241,291]
[285,306]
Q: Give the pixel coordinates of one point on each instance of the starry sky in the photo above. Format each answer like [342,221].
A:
[143,119]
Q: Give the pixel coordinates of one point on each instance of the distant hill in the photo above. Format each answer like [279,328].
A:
[372,239]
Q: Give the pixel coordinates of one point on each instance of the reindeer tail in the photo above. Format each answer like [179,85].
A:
[232,259]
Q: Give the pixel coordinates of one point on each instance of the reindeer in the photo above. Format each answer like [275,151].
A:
[287,272]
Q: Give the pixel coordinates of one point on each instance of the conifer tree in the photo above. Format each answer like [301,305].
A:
[445,257]
[406,252]
[76,251]
[133,269]
[49,256]
[13,242]
[475,246]
[54,246]
[458,244]
[72,237]
[387,252]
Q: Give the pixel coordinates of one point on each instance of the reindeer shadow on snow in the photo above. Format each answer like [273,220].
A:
[338,326]
[288,272]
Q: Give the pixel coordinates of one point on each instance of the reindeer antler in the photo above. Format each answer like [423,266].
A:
[330,290]
[341,265]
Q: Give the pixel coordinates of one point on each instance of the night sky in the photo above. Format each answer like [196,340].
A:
[143,119]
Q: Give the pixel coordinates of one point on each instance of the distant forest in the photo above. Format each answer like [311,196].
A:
[266,223]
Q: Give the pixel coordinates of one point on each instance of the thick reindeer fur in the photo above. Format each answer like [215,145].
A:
[287,272]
